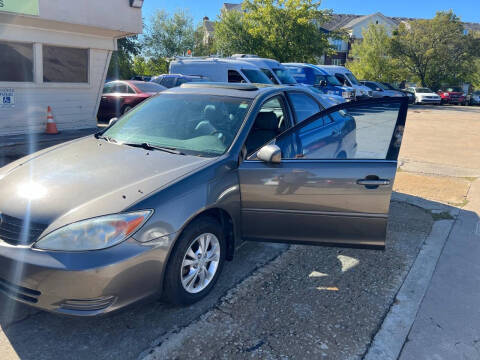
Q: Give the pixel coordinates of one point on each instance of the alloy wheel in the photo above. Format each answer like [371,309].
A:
[200,263]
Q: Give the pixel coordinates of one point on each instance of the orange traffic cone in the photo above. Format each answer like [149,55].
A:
[51,126]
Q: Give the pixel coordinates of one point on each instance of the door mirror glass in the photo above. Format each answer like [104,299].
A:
[270,154]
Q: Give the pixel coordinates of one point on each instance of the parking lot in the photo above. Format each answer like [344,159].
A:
[275,301]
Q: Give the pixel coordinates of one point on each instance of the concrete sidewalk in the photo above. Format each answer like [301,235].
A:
[447,325]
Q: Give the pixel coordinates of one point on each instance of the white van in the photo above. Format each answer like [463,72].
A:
[346,77]
[274,70]
[219,70]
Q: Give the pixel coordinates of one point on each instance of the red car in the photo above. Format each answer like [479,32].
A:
[452,95]
[120,96]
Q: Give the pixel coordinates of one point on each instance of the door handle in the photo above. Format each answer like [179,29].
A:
[373,182]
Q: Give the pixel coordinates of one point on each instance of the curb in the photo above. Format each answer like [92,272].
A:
[389,341]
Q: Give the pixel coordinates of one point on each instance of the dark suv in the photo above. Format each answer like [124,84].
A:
[452,95]
[173,80]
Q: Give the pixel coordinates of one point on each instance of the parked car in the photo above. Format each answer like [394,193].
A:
[379,90]
[346,78]
[425,96]
[452,95]
[172,80]
[411,97]
[311,75]
[475,99]
[220,70]
[141,78]
[274,70]
[121,96]
[159,200]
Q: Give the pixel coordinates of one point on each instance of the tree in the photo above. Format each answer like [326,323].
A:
[121,62]
[436,51]
[286,30]
[149,66]
[232,36]
[372,59]
[169,35]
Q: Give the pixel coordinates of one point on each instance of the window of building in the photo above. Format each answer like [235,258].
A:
[336,61]
[16,61]
[65,65]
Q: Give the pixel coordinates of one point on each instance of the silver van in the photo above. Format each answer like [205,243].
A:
[275,70]
[220,70]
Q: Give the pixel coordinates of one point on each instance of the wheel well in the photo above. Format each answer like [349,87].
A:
[226,222]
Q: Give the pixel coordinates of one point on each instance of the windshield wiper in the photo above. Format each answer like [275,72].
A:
[108,138]
[148,146]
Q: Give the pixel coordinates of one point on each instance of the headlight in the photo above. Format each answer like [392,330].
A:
[94,234]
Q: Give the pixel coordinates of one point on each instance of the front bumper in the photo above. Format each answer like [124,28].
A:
[81,283]
[429,101]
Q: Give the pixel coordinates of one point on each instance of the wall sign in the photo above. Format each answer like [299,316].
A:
[28,7]
[7,98]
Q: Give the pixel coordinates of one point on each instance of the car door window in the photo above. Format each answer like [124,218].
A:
[271,120]
[120,88]
[303,106]
[357,132]
[235,77]
[130,90]
[108,88]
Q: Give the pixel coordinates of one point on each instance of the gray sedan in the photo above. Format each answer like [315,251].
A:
[380,90]
[158,201]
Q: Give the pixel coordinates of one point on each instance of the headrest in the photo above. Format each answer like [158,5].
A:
[266,121]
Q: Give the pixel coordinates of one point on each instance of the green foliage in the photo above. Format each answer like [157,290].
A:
[169,35]
[149,67]
[121,62]
[286,30]
[435,51]
[232,35]
[372,59]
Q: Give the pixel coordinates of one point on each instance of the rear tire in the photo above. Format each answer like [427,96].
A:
[190,276]
[126,109]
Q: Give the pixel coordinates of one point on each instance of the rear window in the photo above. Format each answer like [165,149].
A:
[149,87]
[256,76]
[454,89]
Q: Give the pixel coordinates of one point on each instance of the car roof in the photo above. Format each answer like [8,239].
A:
[248,91]
[311,66]
[216,60]
[271,63]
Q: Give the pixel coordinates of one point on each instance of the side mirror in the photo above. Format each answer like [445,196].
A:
[112,121]
[270,154]
[323,83]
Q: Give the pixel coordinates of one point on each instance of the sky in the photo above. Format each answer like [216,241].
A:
[468,10]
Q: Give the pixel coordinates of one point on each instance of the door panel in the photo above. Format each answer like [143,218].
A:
[316,196]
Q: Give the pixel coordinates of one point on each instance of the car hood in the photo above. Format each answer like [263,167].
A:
[86,178]
[427,94]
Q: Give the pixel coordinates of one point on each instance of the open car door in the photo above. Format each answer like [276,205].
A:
[334,181]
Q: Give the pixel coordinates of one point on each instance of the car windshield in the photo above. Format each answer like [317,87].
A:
[352,78]
[331,80]
[204,125]
[149,87]
[284,76]
[423,90]
[256,76]
[387,86]
[454,89]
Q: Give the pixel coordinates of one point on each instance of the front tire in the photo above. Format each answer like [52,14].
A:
[196,262]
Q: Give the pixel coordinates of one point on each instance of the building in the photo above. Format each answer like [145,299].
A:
[355,24]
[57,52]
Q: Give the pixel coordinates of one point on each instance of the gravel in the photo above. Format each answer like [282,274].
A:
[310,302]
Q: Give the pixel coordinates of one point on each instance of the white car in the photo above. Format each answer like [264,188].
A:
[425,96]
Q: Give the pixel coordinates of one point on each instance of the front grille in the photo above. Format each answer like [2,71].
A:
[19,292]
[16,231]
